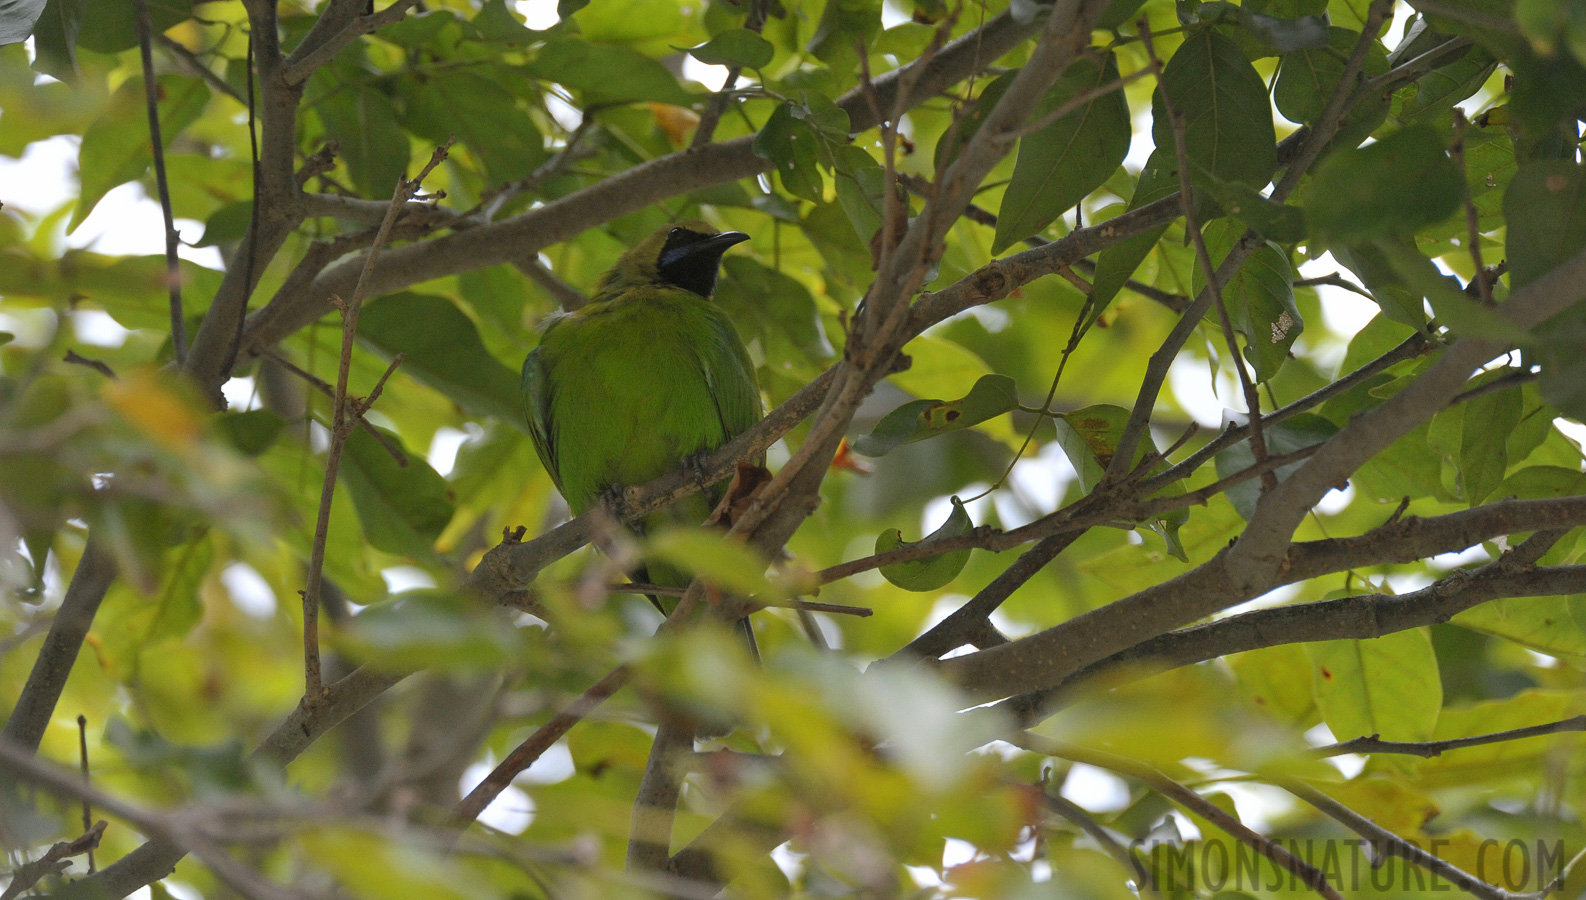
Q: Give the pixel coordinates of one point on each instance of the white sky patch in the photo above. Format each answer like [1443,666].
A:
[1445,562]
[126,222]
[939,508]
[791,862]
[93,326]
[1188,379]
[1275,597]
[43,177]
[444,445]
[538,14]
[249,591]
[566,115]
[32,328]
[406,578]
[1095,789]
[241,394]
[713,77]
[1571,429]
[1335,501]
[957,852]
[512,811]
[555,764]
[893,14]
[1407,582]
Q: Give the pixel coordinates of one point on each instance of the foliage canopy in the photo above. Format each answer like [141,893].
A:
[1014,251]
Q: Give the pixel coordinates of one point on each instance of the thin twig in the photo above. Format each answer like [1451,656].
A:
[173,272]
[88,808]
[77,359]
[1387,843]
[346,415]
[535,745]
[1106,839]
[1472,218]
[1429,749]
[250,247]
[1311,876]
[325,388]
[1258,443]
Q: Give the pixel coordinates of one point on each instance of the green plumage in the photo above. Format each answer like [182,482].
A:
[646,376]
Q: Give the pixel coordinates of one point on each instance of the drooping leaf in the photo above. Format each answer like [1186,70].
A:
[17,18]
[374,147]
[991,396]
[1118,262]
[1545,207]
[1392,188]
[735,47]
[116,148]
[1259,297]
[402,509]
[1385,686]
[1309,79]
[932,572]
[441,348]
[1060,164]
[1298,433]
[484,118]
[1223,102]
[114,26]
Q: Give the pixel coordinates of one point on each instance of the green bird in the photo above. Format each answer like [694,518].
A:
[641,381]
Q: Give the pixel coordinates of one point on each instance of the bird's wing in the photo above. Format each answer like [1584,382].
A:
[536,391]
[729,374]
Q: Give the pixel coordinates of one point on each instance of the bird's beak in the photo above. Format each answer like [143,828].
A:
[710,248]
[723,240]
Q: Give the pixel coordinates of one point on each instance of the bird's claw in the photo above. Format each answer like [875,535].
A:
[694,465]
[614,498]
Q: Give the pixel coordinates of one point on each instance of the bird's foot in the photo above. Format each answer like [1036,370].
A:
[694,466]
[614,497]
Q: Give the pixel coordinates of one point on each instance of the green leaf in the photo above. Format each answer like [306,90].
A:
[709,554]
[116,148]
[1223,102]
[251,432]
[607,74]
[1259,297]
[373,145]
[790,144]
[1563,380]
[1309,78]
[1372,267]
[773,308]
[55,38]
[1544,624]
[1278,681]
[1060,164]
[417,29]
[442,349]
[1117,263]
[226,224]
[483,116]
[1392,188]
[954,140]
[1545,207]
[917,420]
[1273,221]
[402,509]
[1484,454]
[931,572]
[735,47]
[114,26]
[1454,308]
[843,26]
[420,629]
[1301,431]
[495,22]
[17,18]
[1385,686]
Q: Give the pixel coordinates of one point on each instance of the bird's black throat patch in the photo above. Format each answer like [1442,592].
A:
[690,259]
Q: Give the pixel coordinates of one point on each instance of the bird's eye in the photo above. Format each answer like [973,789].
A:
[676,232]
